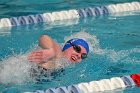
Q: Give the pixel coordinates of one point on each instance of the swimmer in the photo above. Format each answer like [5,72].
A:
[74,50]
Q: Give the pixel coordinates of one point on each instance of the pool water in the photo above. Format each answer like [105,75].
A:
[114,45]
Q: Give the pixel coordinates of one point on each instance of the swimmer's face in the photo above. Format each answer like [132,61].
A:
[73,56]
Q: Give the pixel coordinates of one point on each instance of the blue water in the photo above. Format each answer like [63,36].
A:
[115,39]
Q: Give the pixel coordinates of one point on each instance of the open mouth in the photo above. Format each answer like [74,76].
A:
[73,58]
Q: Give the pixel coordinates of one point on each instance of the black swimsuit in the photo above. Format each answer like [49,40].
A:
[45,75]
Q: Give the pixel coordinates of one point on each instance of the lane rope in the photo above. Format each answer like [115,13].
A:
[69,14]
[113,83]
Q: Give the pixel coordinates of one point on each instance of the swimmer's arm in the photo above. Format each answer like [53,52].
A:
[50,50]
[53,48]
[46,42]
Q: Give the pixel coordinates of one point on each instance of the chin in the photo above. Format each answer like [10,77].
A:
[71,60]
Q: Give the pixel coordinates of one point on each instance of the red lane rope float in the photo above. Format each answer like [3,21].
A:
[136,79]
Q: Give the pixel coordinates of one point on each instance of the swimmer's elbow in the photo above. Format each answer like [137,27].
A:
[45,42]
[42,37]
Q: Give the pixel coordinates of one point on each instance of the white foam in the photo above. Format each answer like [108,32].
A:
[15,69]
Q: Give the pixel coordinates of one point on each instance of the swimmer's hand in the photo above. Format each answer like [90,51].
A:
[41,56]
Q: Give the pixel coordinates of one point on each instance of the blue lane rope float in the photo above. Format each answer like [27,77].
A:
[69,14]
[14,21]
[39,18]
[128,81]
[97,86]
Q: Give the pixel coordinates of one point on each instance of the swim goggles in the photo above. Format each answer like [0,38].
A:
[78,50]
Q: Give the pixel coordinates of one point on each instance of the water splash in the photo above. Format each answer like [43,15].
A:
[15,69]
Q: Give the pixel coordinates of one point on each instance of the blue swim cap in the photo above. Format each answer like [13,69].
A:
[76,41]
